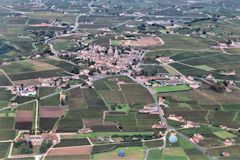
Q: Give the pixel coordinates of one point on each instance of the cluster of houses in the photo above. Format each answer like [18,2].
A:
[161,125]
[168,80]
[37,140]
[165,60]
[111,59]
[149,109]
[187,124]
[196,138]
[23,90]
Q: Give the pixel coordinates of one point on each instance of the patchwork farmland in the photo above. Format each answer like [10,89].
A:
[132,80]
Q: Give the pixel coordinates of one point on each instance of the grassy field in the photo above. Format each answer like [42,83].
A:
[107,134]
[62,44]
[154,154]
[27,106]
[60,63]
[172,88]
[134,153]
[224,134]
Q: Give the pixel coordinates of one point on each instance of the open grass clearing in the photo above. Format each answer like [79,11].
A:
[172,88]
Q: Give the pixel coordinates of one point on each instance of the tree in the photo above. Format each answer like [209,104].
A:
[219,87]
[75,70]
[45,146]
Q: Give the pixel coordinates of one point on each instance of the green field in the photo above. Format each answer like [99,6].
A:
[172,88]
[53,100]
[107,134]
[7,134]
[5,97]
[4,149]
[154,154]
[224,134]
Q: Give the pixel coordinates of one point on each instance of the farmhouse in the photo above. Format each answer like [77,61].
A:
[228,142]
[190,124]
[196,138]
[161,125]
[13,105]
[161,101]
[149,109]
[165,60]
[85,131]
[26,90]
[37,140]
[176,118]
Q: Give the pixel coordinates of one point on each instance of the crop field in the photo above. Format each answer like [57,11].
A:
[53,100]
[37,74]
[76,99]
[6,134]
[224,134]
[133,122]
[154,154]
[72,142]
[205,106]
[153,143]
[46,15]
[199,37]
[182,150]
[123,97]
[233,150]
[31,69]
[135,93]
[7,122]
[44,91]
[73,120]
[149,70]
[92,99]
[60,63]
[24,119]
[27,106]
[183,42]
[69,157]
[4,81]
[21,100]
[4,149]
[62,44]
[18,67]
[5,97]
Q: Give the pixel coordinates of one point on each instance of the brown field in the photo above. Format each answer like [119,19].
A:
[28,82]
[24,116]
[81,150]
[74,157]
[89,122]
[143,42]
[51,112]
[40,66]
